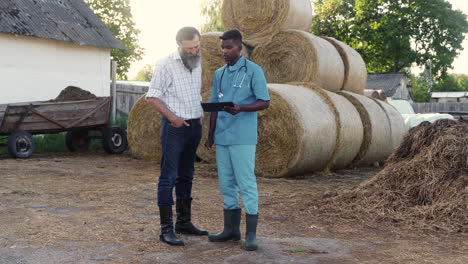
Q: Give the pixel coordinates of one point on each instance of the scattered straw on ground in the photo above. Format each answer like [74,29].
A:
[424,182]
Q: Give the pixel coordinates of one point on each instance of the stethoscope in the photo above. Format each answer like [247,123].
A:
[220,91]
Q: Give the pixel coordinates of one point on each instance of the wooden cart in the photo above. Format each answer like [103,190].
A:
[19,121]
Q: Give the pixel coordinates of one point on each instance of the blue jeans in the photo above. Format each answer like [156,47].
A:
[178,149]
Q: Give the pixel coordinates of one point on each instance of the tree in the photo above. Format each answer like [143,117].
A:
[117,16]
[449,83]
[391,35]
[145,74]
[211,9]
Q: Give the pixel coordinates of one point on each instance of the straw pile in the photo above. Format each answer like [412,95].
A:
[355,75]
[375,147]
[297,56]
[143,131]
[424,182]
[259,20]
[212,59]
[73,93]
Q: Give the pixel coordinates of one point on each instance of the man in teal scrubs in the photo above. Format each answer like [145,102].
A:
[234,132]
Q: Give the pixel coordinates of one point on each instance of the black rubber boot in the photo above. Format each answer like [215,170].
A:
[250,243]
[167,228]
[231,229]
[184,219]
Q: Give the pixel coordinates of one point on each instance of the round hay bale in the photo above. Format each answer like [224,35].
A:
[143,131]
[259,20]
[396,122]
[355,77]
[297,134]
[297,56]
[375,146]
[212,59]
[350,131]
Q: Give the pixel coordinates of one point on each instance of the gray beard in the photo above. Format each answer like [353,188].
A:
[190,61]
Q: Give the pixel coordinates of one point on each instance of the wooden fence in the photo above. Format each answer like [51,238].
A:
[440,107]
[458,110]
[127,95]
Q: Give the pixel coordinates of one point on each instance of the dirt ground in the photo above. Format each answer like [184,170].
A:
[99,208]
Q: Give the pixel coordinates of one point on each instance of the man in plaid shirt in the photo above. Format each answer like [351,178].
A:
[175,93]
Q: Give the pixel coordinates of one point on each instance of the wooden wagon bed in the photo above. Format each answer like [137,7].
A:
[52,117]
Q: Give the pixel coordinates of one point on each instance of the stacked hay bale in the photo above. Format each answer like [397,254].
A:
[298,56]
[305,129]
[261,19]
[355,75]
[308,126]
[376,145]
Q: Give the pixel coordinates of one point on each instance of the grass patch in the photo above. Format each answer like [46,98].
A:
[298,250]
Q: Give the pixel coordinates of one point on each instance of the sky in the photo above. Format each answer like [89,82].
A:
[159,20]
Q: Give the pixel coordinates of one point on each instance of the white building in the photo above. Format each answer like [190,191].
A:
[47,45]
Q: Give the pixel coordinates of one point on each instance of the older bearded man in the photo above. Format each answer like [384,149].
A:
[175,93]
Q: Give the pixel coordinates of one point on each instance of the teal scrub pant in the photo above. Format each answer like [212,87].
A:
[236,171]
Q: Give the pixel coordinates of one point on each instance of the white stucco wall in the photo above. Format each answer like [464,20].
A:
[33,69]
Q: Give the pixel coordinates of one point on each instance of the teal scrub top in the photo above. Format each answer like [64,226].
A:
[243,83]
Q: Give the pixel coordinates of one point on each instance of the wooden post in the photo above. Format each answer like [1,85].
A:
[114,90]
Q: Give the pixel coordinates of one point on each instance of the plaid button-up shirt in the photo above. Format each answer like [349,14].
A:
[178,87]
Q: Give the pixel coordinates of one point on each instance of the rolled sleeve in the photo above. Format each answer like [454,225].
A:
[259,85]
[159,82]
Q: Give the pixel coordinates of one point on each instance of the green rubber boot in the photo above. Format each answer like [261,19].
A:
[250,243]
[231,229]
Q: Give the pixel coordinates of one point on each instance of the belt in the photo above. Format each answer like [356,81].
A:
[192,120]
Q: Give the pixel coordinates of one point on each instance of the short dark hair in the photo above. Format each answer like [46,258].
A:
[233,34]
[187,33]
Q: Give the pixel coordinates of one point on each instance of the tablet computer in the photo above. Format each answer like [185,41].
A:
[215,107]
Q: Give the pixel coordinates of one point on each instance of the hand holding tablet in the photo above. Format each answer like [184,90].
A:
[215,107]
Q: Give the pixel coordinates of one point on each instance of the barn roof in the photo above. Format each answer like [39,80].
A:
[389,82]
[66,20]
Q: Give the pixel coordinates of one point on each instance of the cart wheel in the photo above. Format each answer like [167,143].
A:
[77,141]
[21,144]
[114,140]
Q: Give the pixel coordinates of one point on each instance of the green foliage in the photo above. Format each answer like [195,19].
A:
[121,120]
[116,14]
[56,142]
[391,35]
[449,83]
[145,74]
[452,83]
[420,88]
[211,9]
